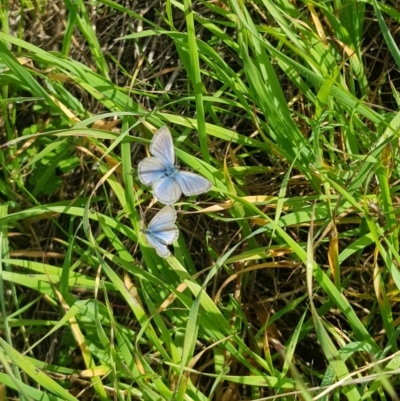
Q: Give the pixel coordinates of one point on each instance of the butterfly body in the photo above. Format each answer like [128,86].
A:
[166,178]
[162,231]
[171,171]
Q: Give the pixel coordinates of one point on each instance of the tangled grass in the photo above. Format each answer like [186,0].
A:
[284,280]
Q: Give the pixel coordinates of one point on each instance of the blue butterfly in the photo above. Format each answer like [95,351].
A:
[166,178]
[162,231]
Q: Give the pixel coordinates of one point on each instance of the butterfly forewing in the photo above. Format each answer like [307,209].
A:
[192,184]
[164,219]
[162,147]
[150,170]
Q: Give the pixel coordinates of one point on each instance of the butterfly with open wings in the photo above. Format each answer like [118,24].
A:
[167,180]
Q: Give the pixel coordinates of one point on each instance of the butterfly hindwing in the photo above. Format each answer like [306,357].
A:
[161,249]
[167,190]
[167,236]
[192,184]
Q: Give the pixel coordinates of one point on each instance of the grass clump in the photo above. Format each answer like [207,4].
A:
[284,280]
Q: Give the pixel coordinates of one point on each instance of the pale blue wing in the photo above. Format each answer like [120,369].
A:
[191,183]
[162,147]
[150,170]
[167,190]
[166,236]
[161,249]
[163,220]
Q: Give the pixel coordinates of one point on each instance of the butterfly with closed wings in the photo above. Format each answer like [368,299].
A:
[162,231]
[165,177]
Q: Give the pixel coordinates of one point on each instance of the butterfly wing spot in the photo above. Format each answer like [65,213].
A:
[192,184]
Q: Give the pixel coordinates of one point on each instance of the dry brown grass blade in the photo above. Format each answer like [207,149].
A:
[333,255]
